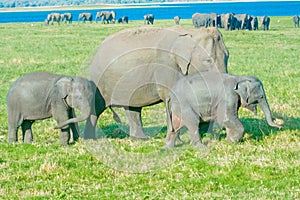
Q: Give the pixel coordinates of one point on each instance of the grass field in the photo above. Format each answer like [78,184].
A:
[265,165]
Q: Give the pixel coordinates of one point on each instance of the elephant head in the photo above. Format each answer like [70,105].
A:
[76,92]
[204,49]
[251,93]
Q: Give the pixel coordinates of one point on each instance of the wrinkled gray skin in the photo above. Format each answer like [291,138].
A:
[265,23]
[106,17]
[41,95]
[177,20]
[207,96]
[204,19]
[147,62]
[149,19]
[85,17]
[296,21]
[53,17]
[123,20]
[67,17]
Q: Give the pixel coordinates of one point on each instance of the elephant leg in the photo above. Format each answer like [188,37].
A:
[75,135]
[12,133]
[27,132]
[135,123]
[12,130]
[91,122]
[60,115]
[172,135]
[64,136]
[90,127]
[74,127]
[191,120]
[234,130]
[193,127]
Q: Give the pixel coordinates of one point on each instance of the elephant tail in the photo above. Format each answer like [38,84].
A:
[115,115]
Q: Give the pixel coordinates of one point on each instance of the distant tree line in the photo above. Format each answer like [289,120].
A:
[37,3]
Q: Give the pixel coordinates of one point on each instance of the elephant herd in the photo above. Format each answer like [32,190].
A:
[149,66]
[106,17]
[230,21]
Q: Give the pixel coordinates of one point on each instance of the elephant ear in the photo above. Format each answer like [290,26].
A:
[242,88]
[181,52]
[63,87]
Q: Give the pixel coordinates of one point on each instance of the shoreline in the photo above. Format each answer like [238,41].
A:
[117,6]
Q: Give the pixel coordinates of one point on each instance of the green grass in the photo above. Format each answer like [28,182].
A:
[266,165]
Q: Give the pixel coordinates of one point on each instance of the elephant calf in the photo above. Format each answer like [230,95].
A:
[207,96]
[42,95]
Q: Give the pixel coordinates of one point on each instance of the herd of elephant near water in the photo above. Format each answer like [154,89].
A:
[105,16]
[229,21]
[163,66]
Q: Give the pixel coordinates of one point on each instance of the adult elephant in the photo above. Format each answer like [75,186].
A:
[177,19]
[265,23]
[67,17]
[148,19]
[296,21]
[40,95]
[242,21]
[123,20]
[53,17]
[254,23]
[249,23]
[146,64]
[106,16]
[228,21]
[86,16]
[204,19]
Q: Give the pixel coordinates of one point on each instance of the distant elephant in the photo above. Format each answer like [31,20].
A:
[228,21]
[296,21]
[85,17]
[249,21]
[67,17]
[53,17]
[254,23]
[204,20]
[147,62]
[265,23]
[123,20]
[149,19]
[213,96]
[106,16]
[41,95]
[242,21]
[177,20]
[219,21]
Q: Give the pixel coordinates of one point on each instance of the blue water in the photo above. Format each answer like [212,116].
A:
[168,11]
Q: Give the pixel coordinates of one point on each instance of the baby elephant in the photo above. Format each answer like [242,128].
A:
[207,96]
[42,95]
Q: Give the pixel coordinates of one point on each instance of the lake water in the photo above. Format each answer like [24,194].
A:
[168,11]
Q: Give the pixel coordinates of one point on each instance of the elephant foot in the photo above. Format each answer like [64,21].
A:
[143,138]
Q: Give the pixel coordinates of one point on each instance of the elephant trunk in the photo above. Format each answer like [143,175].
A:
[263,104]
[84,115]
